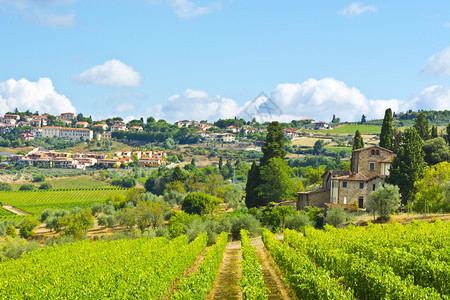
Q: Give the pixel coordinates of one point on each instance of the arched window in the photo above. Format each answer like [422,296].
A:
[373,152]
[378,152]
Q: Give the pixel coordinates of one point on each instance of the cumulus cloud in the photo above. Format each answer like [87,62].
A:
[356,9]
[113,72]
[186,9]
[195,105]
[34,96]
[438,64]
[435,97]
[318,99]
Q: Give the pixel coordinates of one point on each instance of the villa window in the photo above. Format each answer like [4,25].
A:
[344,184]
[372,166]
[361,185]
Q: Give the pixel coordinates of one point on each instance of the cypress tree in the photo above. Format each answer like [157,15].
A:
[387,131]
[421,125]
[434,132]
[407,166]
[358,142]
[397,140]
[220,162]
[253,181]
[448,133]
[274,143]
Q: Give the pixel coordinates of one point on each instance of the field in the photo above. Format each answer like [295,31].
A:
[34,202]
[351,128]
[378,262]
[85,182]
[5,213]
[392,261]
[121,269]
[84,148]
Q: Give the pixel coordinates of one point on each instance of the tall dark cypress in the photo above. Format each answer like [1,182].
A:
[387,131]
[434,132]
[421,125]
[274,144]
[358,142]
[407,166]
[253,181]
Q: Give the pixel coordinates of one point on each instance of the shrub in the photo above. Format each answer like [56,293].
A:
[27,187]
[336,216]
[6,187]
[27,226]
[107,221]
[13,248]
[247,222]
[297,221]
[197,203]
[45,186]
[128,182]
[38,178]
[173,197]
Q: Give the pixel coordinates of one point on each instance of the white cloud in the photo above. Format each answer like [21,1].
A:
[123,107]
[434,97]
[356,9]
[195,105]
[186,9]
[318,99]
[438,64]
[34,96]
[56,21]
[112,72]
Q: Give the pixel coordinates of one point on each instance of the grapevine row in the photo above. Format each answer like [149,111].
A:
[121,269]
[368,279]
[307,281]
[198,284]
[252,282]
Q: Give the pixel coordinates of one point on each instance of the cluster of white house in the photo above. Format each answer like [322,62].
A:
[51,159]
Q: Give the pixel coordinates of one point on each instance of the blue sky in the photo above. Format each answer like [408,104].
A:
[182,59]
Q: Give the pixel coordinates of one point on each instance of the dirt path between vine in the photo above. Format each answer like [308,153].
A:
[272,276]
[226,284]
[15,210]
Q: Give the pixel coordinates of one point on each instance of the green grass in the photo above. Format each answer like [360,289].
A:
[348,150]
[34,202]
[351,128]
[84,182]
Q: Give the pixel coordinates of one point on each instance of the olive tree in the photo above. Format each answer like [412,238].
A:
[384,200]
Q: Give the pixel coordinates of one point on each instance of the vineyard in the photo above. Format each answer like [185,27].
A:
[378,262]
[34,202]
[375,262]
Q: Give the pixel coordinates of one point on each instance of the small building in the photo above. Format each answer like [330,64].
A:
[370,168]
[321,125]
[82,124]
[68,115]
[26,136]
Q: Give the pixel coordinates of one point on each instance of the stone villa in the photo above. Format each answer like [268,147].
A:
[370,166]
